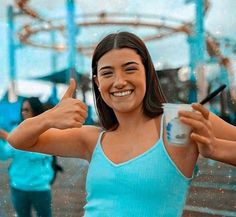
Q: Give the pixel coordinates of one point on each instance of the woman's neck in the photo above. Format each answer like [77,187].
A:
[129,122]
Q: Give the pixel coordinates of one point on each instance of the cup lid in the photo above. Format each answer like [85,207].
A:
[174,105]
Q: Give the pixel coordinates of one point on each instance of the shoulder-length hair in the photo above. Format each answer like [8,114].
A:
[154,97]
[35,104]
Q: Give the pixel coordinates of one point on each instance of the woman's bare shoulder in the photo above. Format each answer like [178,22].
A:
[90,132]
[89,136]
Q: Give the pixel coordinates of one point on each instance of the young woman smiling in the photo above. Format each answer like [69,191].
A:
[133,170]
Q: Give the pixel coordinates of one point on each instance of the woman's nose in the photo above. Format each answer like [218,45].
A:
[120,81]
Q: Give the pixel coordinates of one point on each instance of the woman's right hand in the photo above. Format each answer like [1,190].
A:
[3,134]
[69,112]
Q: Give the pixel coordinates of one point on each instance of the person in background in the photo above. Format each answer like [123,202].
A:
[133,170]
[30,173]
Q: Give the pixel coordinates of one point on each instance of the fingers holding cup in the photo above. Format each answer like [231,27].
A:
[200,108]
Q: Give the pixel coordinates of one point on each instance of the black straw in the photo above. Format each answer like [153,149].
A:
[213,94]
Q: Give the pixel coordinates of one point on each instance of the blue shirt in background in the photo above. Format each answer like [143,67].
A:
[28,171]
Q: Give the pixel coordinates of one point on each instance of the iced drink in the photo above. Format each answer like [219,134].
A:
[176,132]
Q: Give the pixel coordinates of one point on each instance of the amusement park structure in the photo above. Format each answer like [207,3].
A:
[68,30]
[212,191]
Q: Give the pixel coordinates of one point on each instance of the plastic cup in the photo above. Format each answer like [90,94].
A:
[177,133]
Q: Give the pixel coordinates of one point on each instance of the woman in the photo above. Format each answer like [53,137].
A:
[133,170]
[30,173]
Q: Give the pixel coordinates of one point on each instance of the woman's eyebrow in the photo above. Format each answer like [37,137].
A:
[129,63]
[123,65]
[105,67]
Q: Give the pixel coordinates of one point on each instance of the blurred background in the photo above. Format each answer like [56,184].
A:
[193,46]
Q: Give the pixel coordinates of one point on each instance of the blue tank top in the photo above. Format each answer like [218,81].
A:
[149,185]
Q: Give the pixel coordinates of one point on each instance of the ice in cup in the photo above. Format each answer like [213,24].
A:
[176,132]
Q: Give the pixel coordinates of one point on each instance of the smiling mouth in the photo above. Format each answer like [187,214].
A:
[122,93]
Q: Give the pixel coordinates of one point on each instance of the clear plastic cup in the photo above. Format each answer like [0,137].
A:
[177,133]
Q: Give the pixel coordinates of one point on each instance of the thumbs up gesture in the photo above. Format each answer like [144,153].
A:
[70,90]
[69,112]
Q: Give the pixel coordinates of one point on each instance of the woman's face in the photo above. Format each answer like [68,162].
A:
[26,110]
[121,79]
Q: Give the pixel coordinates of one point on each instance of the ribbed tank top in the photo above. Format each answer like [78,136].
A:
[149,185]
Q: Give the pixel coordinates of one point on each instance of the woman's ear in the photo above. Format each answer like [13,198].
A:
[96,80]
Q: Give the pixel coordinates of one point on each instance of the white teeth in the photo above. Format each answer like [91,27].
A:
[124,93]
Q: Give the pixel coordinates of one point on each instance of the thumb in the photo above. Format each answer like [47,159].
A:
[71,89]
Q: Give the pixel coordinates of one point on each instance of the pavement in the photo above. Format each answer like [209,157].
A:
[212,192]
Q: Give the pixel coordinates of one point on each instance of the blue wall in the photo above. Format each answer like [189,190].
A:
[9,114]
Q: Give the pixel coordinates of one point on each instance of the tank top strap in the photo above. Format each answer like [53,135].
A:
[98,144]
[100,137]
[161,127]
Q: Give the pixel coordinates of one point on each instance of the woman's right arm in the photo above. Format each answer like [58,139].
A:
[58,131]
[6,150]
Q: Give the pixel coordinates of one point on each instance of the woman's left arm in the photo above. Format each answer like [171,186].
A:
[224,151]
[221,128]
[216,139]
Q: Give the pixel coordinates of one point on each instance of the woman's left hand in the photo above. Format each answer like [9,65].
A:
[202,132]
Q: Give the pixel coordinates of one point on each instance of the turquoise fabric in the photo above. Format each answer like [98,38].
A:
[28,171]
[149,185]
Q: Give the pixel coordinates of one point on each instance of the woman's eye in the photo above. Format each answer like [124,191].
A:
[106,74]
[131,69]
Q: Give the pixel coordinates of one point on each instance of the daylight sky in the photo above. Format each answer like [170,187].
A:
[171,51]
